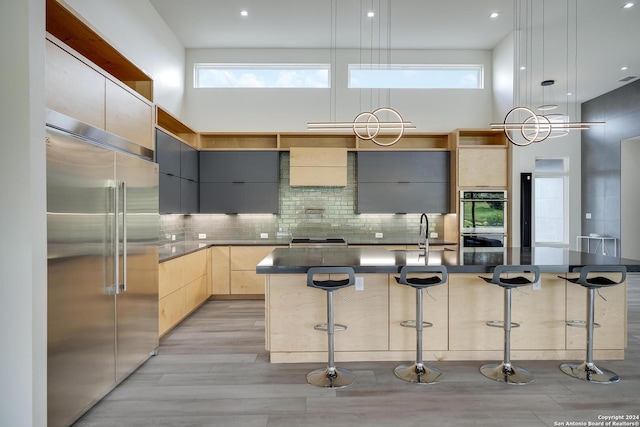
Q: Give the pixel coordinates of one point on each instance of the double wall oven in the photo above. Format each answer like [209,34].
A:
[483,218]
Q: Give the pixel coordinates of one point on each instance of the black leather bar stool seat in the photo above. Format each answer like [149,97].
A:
[418,372]
[587,370]
[330,377]
[505,371]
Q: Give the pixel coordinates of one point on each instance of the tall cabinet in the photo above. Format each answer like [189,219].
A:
[479,161]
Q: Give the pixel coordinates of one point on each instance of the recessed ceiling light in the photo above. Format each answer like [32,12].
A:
[371,14]
[569,93]
[627,5]
[523,67]
[625,68]
[494,15]
[244,13]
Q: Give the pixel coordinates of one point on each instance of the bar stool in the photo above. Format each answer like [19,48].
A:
[418,372]
[330,377]
[505,371]
[587,370]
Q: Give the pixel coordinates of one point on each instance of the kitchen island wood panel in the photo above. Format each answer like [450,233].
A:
[459,309]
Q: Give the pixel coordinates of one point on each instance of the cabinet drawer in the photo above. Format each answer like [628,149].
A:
[195,293]
[171,310]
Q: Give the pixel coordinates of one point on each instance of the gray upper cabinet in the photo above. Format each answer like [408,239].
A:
[239,181]
[403,182]
[168,153]
[189,163]
[178,164]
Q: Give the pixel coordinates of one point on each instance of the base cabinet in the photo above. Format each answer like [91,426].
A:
[234,271]
[183,285]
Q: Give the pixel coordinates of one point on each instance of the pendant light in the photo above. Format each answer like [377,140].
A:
[384,126]
[521,125]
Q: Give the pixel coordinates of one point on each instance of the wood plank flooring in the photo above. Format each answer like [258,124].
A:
[212,370]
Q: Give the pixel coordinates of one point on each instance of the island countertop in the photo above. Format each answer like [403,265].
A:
[461,260]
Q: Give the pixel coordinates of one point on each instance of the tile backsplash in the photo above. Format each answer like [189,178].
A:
[304,212]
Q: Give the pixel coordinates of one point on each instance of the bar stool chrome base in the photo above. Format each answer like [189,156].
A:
[506,373]
[590,372]
[418,373]
[331,378]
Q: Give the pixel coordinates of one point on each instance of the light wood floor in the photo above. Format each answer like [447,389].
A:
[212,370]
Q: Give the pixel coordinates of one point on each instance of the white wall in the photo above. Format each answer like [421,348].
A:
[136,30]
[23,255]
[503,69]
[245,110]
[630,203]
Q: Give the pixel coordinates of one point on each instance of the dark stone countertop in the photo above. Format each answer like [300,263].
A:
[460,260]
[169,251]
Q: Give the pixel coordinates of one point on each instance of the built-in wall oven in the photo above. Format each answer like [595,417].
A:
[483,218]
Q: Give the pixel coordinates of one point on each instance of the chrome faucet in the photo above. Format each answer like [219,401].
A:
[425,243]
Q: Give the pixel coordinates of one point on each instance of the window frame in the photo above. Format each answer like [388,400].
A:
[198,66]
[479,68]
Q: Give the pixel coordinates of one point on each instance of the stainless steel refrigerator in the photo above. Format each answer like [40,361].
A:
[102,226]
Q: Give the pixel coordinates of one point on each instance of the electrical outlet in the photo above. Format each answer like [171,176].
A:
[433,235]
[379,235]
[587,215]
[264,235]
[359,283]
[202,235]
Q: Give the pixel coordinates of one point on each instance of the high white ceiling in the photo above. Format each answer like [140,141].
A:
[607,34]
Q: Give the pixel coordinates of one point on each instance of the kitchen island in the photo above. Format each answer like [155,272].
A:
[458,310]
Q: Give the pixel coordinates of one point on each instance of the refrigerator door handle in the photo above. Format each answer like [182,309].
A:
[116,238]
[124,237]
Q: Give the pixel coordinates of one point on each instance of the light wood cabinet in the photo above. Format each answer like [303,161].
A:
[77,88]
[128,115]
[234,271]
[243,261]
[483,167]
[318,166]
[183,285]
[220,270]
[73,88]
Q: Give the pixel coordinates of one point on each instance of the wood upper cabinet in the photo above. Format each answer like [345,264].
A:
[482,158]
[77,88]
[73,88]
[483,167]
[318,166]
[128,115]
